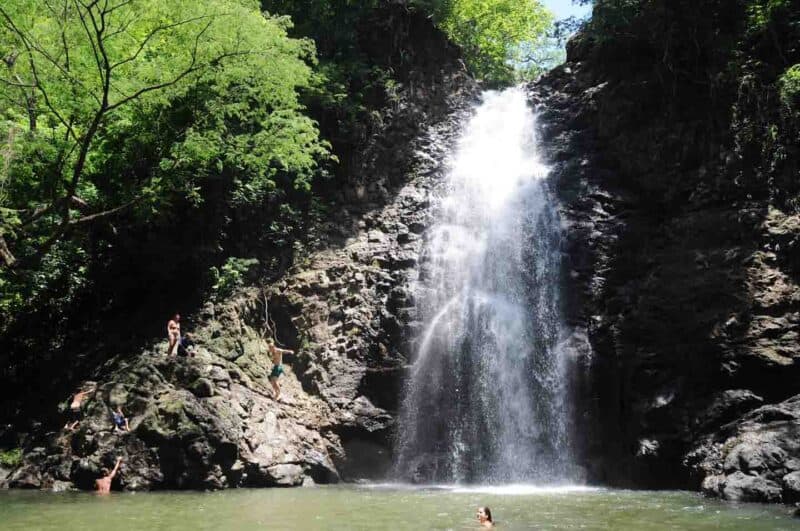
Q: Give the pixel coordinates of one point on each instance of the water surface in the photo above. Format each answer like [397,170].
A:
[385,508]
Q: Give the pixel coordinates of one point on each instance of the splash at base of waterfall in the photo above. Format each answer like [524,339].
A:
[486,400]
[519,489]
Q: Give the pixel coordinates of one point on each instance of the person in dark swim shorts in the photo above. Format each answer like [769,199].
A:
[276,354]
[277,370]
[120,422]
[74,418]
[186,345]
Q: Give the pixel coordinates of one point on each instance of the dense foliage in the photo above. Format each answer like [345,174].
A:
[115,113]
[114,108]
[500,38]
[156,155]
[730,65]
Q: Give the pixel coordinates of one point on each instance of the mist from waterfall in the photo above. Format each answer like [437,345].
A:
[485,401]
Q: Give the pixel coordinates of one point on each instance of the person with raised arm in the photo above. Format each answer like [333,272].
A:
[276,354]
[76,408]
[103,484]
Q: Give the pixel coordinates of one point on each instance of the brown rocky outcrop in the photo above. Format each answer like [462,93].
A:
[210,421]
[755,457]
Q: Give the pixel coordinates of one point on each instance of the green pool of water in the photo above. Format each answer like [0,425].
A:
[384,507]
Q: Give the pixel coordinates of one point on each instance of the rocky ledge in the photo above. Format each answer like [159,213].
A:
[754,458]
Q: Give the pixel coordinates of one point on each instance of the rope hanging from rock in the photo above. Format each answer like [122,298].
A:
[269,324]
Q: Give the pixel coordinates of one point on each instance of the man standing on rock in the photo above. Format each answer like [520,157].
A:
[75,408]
[103,484]
[277,366]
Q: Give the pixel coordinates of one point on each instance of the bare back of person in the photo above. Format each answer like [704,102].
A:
[103,485]
[77,399]
[75,410]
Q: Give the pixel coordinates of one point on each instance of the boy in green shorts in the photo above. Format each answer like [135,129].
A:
[277,368]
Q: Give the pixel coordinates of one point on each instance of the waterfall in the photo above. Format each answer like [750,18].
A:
[485,399]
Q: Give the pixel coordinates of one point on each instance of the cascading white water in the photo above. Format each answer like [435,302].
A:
[485,401]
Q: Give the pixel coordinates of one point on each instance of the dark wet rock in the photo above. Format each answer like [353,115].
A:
[791,487]
[741,487]
[728,405]
[756,457]
[203,388]
[26,477]
[681,285]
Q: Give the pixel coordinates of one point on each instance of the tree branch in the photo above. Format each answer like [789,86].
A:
[31,46]
[88,32]
[43,211]
[122,29]
[114,8]
[153,33]
[8,259]
[28,47]
[177,79]
[105,213]
[16,84]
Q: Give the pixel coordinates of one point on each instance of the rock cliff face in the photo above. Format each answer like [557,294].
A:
[681,289]
[209,421]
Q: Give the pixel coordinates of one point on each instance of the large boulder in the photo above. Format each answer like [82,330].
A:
[754,458]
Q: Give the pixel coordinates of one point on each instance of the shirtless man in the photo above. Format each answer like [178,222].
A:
[277,366]
[173,333]
[103,484]
[75,411]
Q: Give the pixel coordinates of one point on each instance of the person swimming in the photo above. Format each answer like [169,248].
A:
[485,517]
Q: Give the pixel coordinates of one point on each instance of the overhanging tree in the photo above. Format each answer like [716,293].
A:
[111,107]
[86,68]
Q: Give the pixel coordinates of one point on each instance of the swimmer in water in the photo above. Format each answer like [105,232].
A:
[103,484]
[485,517]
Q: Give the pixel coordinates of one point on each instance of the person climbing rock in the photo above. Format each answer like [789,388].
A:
[186,345]
[103,485]
[75,408]
[173,333]
[120,421]
[277,366]
[485,517]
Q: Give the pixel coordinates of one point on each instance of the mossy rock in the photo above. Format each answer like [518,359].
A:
[11,458]
[203,388]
